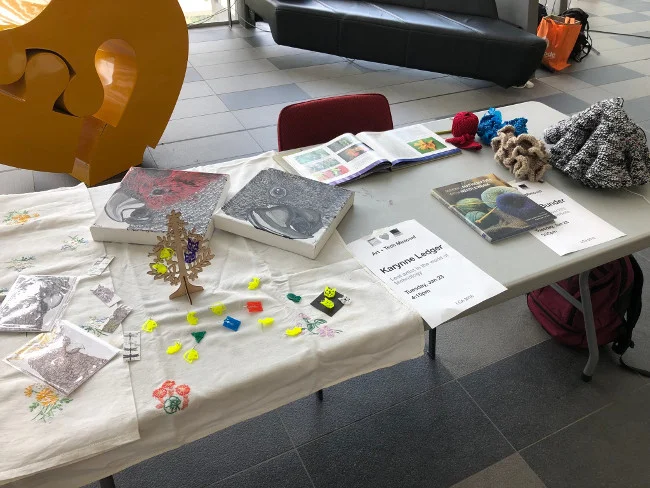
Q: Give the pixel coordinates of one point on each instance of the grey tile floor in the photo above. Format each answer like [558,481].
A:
[502,405]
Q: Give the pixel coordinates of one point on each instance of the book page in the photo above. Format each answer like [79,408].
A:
[342,159]
[576,228]
[412,143]
[424,272]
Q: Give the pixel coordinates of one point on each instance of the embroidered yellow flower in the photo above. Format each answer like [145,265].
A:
[47,397]
[29,390]
[19,217]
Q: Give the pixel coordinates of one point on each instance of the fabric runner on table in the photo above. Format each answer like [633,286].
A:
[47,234]
[243,374]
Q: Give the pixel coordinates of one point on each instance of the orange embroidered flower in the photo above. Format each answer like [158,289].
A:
[47,397]
[183,390]
[160,392]
[29,390]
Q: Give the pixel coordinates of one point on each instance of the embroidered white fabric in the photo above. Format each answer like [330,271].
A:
[239,375]
[47,233]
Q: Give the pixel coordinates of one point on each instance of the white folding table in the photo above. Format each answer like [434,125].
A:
[521,263]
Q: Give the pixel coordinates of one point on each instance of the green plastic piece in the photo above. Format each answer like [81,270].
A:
[294,298]
[199,336]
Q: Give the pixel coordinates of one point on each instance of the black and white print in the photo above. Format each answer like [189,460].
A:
[106,294]
[114,321]
[65,358]
[36,303]
[287,205]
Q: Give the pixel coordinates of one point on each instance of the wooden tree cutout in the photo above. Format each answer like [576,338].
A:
[179,257]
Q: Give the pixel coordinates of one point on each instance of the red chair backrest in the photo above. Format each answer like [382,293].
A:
[318,121]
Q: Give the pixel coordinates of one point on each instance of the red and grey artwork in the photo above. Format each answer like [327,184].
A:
[146,196]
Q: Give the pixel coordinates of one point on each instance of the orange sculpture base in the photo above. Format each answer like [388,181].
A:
[85,87]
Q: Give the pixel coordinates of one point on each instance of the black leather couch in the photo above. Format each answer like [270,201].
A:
[458,37]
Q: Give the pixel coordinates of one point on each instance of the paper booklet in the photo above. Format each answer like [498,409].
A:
[350,156]
[286,211]
[491,207]
[576,227]
[137,212]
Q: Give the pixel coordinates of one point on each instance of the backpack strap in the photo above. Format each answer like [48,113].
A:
[642,372]
[633,312]
[624,339]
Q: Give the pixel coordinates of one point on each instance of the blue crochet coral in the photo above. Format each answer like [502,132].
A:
[492,121]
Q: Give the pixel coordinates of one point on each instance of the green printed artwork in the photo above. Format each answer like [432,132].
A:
[426,145]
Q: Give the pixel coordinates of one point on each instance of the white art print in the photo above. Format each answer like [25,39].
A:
[36,303]
[424,271]
[64,358]
[575,228]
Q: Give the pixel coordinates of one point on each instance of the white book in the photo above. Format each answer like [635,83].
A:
[285,211]
[350,157]
[137,212]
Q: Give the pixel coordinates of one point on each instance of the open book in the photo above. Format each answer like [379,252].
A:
[349,157]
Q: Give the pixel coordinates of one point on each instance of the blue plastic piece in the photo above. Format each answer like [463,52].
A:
[232,324]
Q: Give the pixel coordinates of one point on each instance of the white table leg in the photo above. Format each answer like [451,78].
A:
[229,14]
[590,326]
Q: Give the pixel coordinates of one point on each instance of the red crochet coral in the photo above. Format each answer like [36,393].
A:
[464,128]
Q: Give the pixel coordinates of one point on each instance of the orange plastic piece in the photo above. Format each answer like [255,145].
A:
[85,86]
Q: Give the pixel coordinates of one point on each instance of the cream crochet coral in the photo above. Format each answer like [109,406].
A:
[524,155]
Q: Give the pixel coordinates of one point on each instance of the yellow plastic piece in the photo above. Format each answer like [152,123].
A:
[191,318]
[150,325]
[266,321]
[254,283]
[329,292]
[166,253]
[159,268]
[191,355]
[175,348]
[327,303]
[218,308]
[294,331]
[86,86]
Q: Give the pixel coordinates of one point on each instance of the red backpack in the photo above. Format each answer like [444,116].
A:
[616,299]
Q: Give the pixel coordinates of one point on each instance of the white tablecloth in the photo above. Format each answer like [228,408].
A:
[240,375]
[47,233]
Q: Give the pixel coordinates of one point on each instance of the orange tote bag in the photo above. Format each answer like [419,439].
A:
[561,34]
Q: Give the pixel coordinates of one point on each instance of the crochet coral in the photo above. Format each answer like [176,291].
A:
[524,155]
[463,129]
[492,121]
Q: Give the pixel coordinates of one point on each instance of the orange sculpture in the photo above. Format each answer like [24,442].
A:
[87,85]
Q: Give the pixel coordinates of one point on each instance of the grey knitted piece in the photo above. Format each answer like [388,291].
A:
[601,147]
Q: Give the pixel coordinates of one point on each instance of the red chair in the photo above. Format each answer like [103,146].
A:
[318,121]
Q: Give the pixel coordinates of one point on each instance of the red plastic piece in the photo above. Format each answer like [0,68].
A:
[254,306]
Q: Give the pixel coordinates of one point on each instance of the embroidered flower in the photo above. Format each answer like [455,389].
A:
[94,325]
[73,242]
[172,398]
[47,397]
[21,263]
[325,331]
[19,217]
[47,401]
